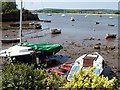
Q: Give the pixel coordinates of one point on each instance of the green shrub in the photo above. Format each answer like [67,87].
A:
[87,79]
[23,76]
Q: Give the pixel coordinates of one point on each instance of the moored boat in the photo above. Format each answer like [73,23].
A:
[49,14]
[110,36]
[37,26]
[85,61]
[97,22]
[63,15]
[55,31]
[45,20]
[111,25]
[10,40]
[72,19]
[110,17]
[18,54]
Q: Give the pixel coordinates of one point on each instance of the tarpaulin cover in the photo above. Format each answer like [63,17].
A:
[48,47]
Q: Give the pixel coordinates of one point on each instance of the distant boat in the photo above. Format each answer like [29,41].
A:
[63,15]
[97,22]
[111,25]
[55,31]
[86,15]
[32,23]
[10,40]
[110,17]
[38,26]
[86,61]
[72,19]
[45,20]
[49,14]
[110,36]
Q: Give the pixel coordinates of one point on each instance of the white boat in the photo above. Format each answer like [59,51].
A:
[63,15]
[49,14]
[110,17]
[72,19]
[18,53]
[86,16]
[55,31]
[85,61]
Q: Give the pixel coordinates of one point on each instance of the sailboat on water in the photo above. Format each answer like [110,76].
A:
[63,15]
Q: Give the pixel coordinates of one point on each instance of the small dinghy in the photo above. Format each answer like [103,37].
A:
[110,36]
[72,19]
[55,31]
[85,61]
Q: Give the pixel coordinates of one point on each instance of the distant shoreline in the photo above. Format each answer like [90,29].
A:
[87,14]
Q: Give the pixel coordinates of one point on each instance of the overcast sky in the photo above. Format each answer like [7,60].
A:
[71,4]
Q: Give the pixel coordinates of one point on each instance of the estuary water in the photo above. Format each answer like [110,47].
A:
[82,28]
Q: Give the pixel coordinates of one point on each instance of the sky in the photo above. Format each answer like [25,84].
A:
[71,4]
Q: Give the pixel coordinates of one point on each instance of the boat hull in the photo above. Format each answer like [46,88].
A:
[28,58]
[85,61]
[10,40]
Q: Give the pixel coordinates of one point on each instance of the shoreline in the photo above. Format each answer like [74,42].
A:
[85,14]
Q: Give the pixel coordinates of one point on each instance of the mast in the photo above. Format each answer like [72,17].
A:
[21,23]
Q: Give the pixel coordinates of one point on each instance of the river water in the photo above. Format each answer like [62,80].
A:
[82,28]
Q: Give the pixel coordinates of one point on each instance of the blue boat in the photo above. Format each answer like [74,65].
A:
[86,61]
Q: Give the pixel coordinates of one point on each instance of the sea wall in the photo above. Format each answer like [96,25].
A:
[16,17]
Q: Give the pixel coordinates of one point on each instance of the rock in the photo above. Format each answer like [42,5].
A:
[99,39]
[98,43]
[112,48]
[91,38]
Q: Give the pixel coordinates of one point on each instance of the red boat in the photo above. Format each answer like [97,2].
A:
[61,70]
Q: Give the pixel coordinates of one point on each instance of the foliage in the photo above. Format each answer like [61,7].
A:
[118,84]
[8,6]
[23,76]
[87,79]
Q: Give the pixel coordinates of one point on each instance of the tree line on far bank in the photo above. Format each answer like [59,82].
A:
[11,8]
[88,11]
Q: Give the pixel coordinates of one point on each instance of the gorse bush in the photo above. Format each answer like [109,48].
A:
[87,79]
[24,77]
